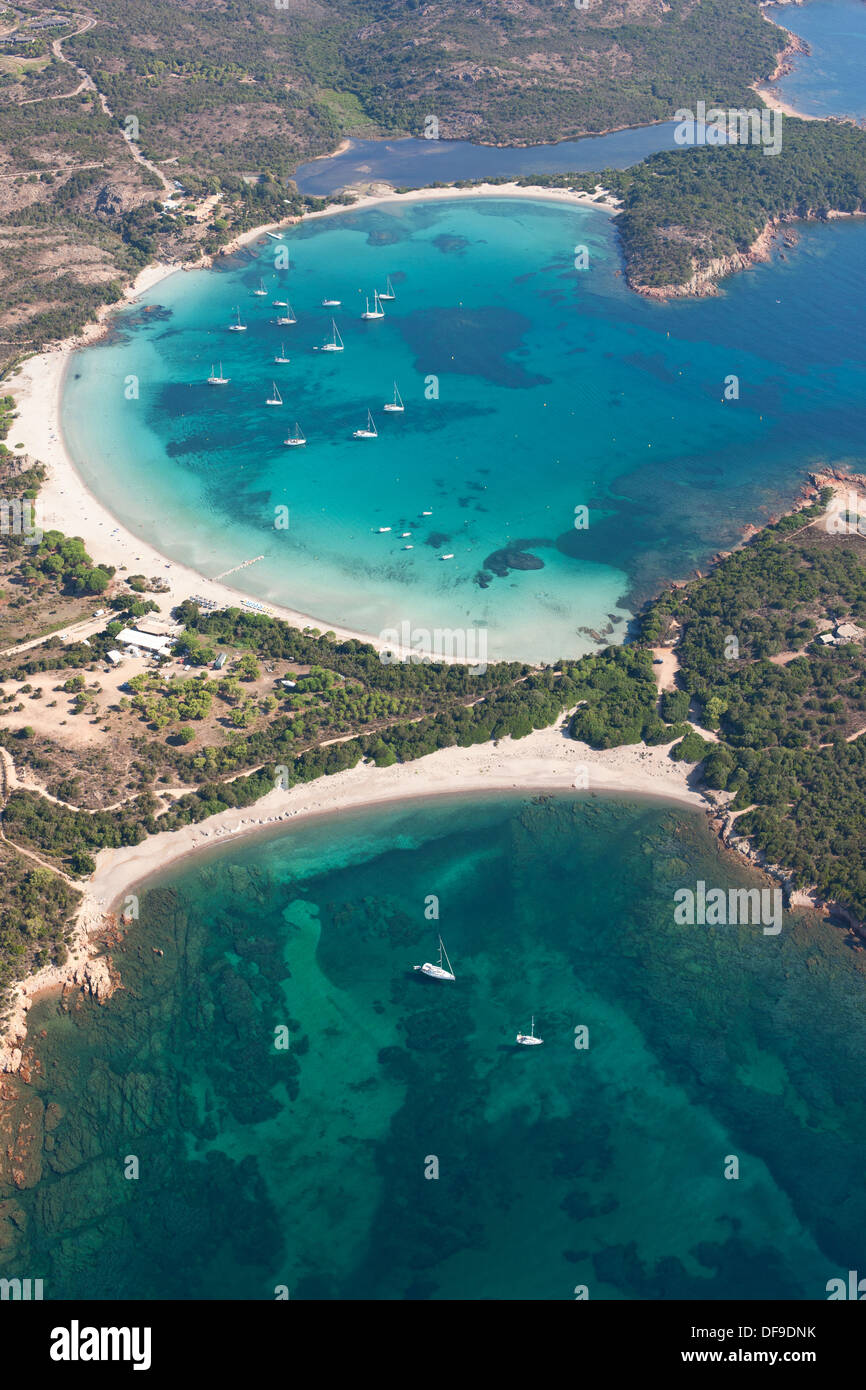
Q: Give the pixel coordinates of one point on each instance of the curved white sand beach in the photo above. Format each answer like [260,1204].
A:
[545,761]
[68,505]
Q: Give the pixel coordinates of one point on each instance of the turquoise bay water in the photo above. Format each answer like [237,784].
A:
[557,388]
[558,1167]
[831,79]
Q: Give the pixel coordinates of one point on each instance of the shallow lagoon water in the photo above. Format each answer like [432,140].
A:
[532,389]
[413,163]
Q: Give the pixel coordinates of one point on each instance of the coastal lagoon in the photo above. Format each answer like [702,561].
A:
[533,389]
[558,1166]
[412,163]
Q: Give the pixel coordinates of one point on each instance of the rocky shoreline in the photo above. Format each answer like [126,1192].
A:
[723,821]
[704,281]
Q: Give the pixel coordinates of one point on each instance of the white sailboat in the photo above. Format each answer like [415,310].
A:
[275,398]
[396,406]
[377,312]
[331,303]
[217,380]
[369,433]
[388,292]
[237,326]
[261,291]
[296,439]
[529,1039]
[438,972]
[336,343]
[289,317]
[282,356]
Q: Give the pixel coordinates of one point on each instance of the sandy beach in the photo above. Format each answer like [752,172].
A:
[68,505]
[771,99]
[545,761]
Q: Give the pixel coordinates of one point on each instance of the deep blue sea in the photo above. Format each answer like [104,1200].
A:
[532,388]
[560,1168]
[831,79]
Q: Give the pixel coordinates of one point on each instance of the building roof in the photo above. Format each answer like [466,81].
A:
[159,627]
[146,640]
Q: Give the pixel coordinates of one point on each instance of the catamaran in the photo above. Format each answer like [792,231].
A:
[275,398]
[369,433]
[237,326]
[377,312]
[529,1039]
[336,343]
[282,357]
[437,972]
[261,291]
[296,439]
[396,406]
[289,317]
[214,380]
[331,303]
[388,292]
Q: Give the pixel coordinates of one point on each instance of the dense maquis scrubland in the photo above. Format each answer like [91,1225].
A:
[248,85]
[228,96]
[786,709]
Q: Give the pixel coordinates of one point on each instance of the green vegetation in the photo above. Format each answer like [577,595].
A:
[685,208]
[35,908]
[783,725]
[65,559]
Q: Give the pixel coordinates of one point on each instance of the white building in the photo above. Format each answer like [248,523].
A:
[144,642]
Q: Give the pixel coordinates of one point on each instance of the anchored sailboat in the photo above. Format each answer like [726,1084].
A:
[438,972]
[336,343]
[261,291]
[217,380]
[396,406]
[275,398]
[237,326]
[388,292]
[369,433]
[529,1039]
[282,357]
[377,312]
[296,439]
[289,317]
